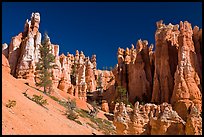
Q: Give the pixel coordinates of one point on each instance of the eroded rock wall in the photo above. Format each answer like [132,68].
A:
[148,119]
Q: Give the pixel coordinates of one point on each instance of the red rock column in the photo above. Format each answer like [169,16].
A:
[186,91]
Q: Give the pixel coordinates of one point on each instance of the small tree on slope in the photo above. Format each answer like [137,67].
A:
[45,64]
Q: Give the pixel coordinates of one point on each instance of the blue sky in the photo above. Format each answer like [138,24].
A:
[97,27]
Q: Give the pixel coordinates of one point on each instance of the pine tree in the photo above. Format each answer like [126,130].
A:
[122,95]
[44,65]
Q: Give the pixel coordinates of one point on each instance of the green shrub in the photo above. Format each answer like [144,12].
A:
[83,113]
[78,122]
[90,124]
[11,103]
[97,123]
[54,98]
[39,100]
[107,122]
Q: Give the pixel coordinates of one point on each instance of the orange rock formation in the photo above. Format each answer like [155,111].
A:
[169,76]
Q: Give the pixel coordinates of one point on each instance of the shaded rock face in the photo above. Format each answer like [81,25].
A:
[134,71]
[148,119]
[166,55]
[14,52]
[139,74]
[197,40]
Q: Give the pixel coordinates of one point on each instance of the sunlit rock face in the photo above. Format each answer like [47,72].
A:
[172,73]
[194,122]
[24,49]
[74,74]
[187,88]
[148,119]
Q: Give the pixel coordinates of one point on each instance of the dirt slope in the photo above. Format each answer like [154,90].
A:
[27,117]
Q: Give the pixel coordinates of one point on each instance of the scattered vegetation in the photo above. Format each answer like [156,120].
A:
[39,100]
[83,113]
[77,121]
[91,125]
[71,110]
[101,124]
[11,103]
[73,113]
[54,98]
[99,82]
[121,94]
